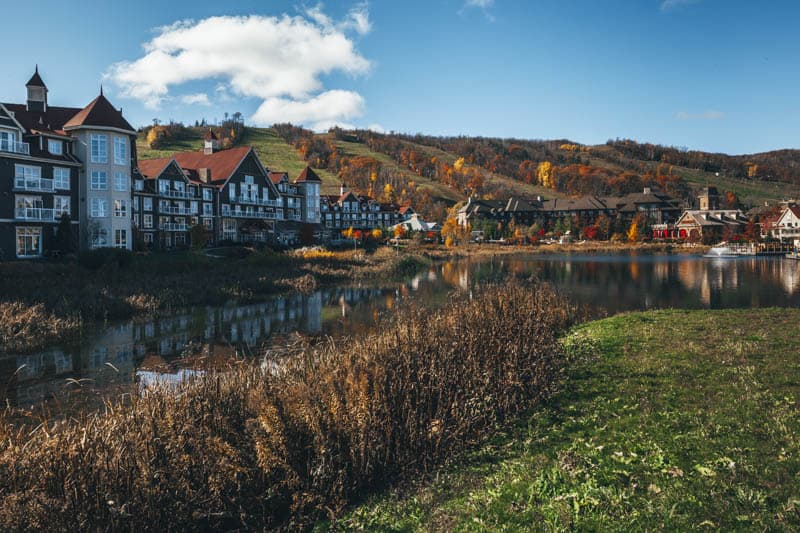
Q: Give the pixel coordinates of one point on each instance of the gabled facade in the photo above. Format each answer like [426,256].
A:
[708,225]
[167,204]
[787,226]
[362,213]
[63,162]
[246,203]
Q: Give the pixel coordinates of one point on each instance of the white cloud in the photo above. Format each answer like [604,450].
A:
[377,128]
[195,99]
[321,112]
[705,115]
[483,5]
[669,5]
[277,59]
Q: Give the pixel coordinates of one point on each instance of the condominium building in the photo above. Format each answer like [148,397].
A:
[64,175]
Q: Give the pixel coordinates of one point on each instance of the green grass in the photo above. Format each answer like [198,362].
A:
[277,155]
[192,141]
[684,420]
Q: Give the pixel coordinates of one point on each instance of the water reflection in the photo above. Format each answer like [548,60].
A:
[173,348]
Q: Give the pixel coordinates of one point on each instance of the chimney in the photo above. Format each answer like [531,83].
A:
[205,174]
[343,188]
[647,190]
[210,142]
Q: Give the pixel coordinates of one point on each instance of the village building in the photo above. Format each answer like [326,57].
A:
[359,212]
[248,206]
[709,223]
[658,207]
[65,175]
[787,226]
[167,203]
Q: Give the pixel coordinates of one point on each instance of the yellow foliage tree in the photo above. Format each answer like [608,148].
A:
[459,164]
[399,231]
[348,233]
[633,232]
[376,234]
[544,174]
[388,193]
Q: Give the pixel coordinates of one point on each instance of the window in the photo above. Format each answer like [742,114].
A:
[99,181]
[99,148]
[27,171]
[148,238]
[193,207]
[99,236]
[120,238]
[147,204]
[120,208]
[163,186]
[55,147]
[208,210]
[148,221]
[29,242]
[120,181]
[99,208]
[61,178]
[61,206]
[163,205]
[226,210]
[138,185]
[207,195]
[120,151]
[232,192]
[208,223]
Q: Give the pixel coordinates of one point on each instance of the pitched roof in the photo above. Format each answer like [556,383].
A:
[100,113]
[584,203]
[342,197]
[277,177]
[307,175]
[152,168]
[51,121]
[221,164]
[36,80]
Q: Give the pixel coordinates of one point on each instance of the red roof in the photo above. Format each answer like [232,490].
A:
[307,175]
[101,113]
[795,209]
[152,168]
[221,164]
[276,177]
[404,209]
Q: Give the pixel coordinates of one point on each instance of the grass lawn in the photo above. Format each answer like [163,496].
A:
[682,420]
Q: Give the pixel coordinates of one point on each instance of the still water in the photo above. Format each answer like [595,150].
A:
[123,357]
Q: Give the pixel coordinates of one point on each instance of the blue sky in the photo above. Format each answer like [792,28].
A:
[718,75]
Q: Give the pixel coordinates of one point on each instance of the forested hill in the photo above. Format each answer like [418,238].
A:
[433,173]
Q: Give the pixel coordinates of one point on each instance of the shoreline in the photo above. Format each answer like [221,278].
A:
[36,315]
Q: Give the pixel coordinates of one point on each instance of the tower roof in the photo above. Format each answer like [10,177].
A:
[36,80]
[307,175]
[100,113]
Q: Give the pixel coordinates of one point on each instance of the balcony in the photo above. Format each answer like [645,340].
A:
[253,214]
[172,210]
[39,214]
[172,226]
[33,184]
[255,200]
[7,145]
[172,193]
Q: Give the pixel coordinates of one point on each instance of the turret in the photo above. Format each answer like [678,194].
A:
[211,143]
[37,93]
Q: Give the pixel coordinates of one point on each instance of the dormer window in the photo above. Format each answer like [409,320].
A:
[55,147]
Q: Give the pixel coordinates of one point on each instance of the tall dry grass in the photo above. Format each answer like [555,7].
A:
[295,439]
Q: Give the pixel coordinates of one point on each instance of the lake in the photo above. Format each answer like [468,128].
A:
[121,358]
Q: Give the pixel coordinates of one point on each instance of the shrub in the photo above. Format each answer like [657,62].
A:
[105,257]
[296,438]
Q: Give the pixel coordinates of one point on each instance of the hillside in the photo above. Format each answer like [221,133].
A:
[273,152]
[507,166]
